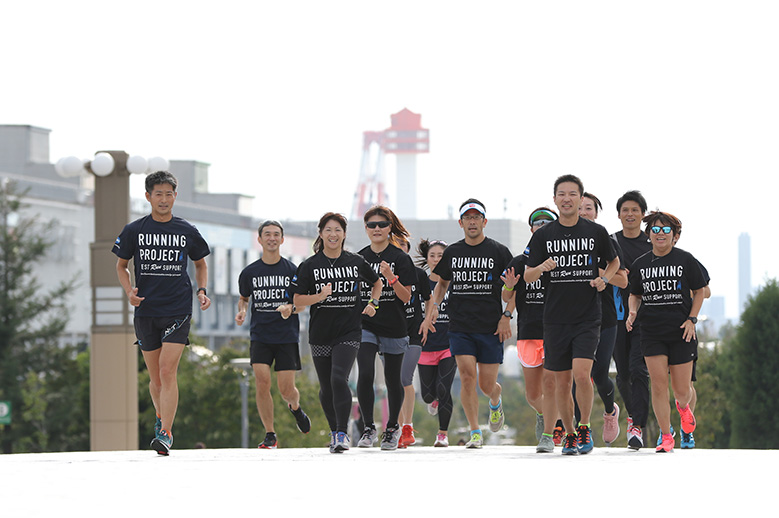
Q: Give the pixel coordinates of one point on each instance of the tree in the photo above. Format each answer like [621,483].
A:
[755,366]
[31,320]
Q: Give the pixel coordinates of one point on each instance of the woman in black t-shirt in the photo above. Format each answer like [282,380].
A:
[661,282]
[329,282]
[387,333]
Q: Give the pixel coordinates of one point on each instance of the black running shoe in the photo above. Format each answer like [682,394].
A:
[301,419]
[269,443]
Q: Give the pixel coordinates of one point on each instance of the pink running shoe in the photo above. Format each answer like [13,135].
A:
[667,446]
[688,420]
[432,408]
[611,425]
[441,441]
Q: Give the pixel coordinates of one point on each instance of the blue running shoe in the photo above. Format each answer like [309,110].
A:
[585,439]
[660,437]
[570,445]
[341,442]
[688,441]
[157,426]
[162,443]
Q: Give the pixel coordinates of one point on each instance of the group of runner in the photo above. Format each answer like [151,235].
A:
[580,295]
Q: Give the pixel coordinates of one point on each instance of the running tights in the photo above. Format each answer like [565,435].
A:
[366,363]
[334,392]
[436,383]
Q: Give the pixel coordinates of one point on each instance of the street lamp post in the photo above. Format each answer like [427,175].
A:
[113,364]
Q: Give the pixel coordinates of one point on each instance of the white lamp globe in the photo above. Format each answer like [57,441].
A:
[71,166]
[157,163]
[102,164]
[137,164]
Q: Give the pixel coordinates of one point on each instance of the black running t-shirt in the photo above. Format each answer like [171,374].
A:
[338,317]
[390,318]
[420,292]
[530,302]
[475,304]
[632,249]
[664,284]
[159,251]
[267,286]
[439,341]
[569,298]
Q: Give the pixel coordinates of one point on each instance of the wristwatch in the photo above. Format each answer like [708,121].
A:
[694,320]
[374,303]
[205,292]
[508,314]
[604,279]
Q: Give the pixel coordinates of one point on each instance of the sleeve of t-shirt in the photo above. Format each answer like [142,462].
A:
[618,249]
[405,270]
[704,272]
[124,246]
[423,286]
[301,282]
[537,252]
[366,272]
[606,250]
[697,281]
[199,248]
[443,268]
[506,256]
[634,278]
[244,284]
[292,288]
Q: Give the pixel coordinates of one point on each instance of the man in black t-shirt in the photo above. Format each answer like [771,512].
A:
[566,251]
[275,328]
[478,325]
[160,245]
[632,373]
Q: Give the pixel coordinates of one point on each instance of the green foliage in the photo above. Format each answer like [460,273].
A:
[755,366]
[31,320]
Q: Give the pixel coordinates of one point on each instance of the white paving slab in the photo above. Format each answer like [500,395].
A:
[452,482]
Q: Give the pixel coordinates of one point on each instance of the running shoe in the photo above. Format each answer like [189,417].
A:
[630,425]
[163,442]
[635,441]
[301,419]
[157,426]
[660,437]
[332,441]
[390,438]
[688,420]
[441,441]
[270,442]
[369,437]
[432,408]
[558,435]
[545,444]
[407,437]
[341,442]
[571,446]
[476,441]
[585,439]
[539,426]
[688,441]
[611,426]
[666,445]
[496,417]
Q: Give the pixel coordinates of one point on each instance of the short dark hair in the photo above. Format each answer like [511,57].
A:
[160,177]
[595,200]
[270,223]
[635,196]
[569,178]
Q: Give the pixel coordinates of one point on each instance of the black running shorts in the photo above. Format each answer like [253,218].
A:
[152,332]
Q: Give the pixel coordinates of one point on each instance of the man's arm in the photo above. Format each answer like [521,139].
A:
[201,278]
[123,273]
[243,305]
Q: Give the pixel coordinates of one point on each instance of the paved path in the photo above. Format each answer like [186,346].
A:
[453,482]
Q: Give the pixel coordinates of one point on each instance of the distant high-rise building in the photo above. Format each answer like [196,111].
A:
[744,270]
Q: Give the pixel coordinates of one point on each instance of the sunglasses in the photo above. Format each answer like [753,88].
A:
[380,224]
[666,230]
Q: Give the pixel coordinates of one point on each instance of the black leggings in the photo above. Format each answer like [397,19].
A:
[436,383]
[366,363]
[334,392]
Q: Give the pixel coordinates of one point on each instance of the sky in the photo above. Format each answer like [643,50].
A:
[678,99]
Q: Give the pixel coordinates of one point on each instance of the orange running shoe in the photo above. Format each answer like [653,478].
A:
[667,446]
[407,437]
[688,420]
[558,435]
